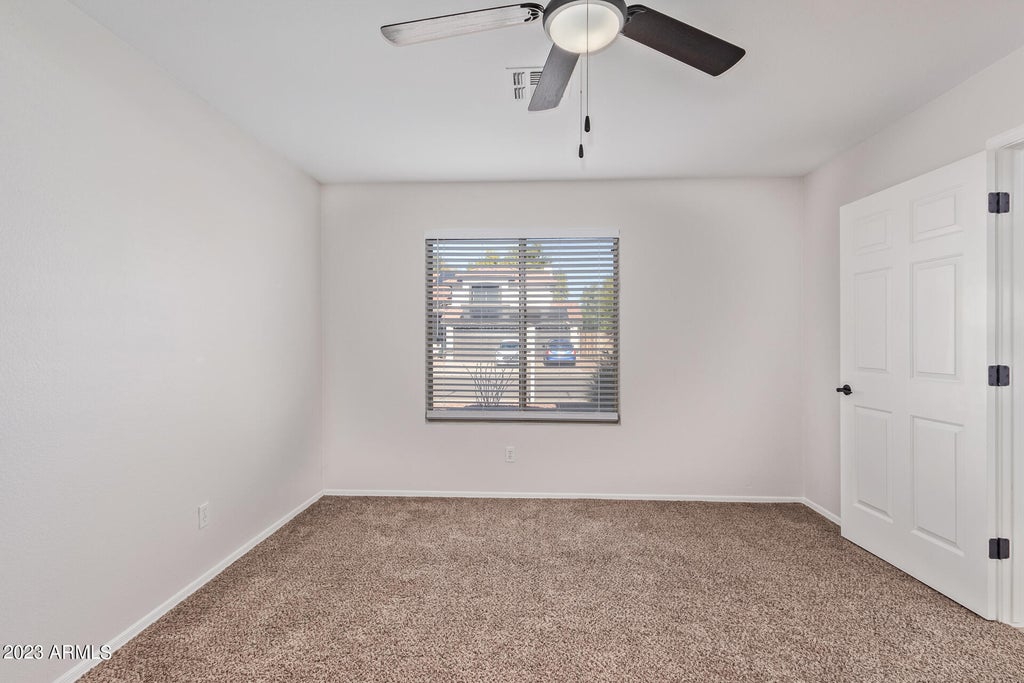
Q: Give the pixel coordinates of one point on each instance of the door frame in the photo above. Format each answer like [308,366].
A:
[1006,347]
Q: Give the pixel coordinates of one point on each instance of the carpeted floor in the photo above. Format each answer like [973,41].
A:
[386,589]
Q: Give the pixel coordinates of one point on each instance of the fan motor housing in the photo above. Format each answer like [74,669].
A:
[584,26]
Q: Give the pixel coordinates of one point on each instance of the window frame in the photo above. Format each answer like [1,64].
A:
[477,415]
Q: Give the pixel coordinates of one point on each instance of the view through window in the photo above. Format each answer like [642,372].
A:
[523,328]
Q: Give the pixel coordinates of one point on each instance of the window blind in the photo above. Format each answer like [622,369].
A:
[522,329]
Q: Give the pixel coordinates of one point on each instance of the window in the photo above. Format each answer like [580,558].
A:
[522,328]
[485,300]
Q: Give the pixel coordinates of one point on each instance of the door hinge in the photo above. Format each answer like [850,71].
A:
[999,202]
[999,375]
[998,548]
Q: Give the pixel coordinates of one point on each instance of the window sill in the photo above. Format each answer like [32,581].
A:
[480,415]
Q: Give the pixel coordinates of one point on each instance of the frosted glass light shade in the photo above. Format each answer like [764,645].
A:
[570,28]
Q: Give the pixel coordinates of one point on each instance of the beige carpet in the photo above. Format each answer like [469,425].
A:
[359,589]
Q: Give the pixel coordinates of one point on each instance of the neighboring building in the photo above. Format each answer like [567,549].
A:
[482,306]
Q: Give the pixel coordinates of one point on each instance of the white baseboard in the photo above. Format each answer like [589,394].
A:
[586,496]
[135,629]
[830,516]
[593,496]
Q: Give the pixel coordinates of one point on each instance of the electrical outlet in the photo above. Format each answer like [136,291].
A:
[510,453]
[204,515]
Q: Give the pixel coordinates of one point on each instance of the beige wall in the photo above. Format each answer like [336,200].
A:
[710,275]
[159,335]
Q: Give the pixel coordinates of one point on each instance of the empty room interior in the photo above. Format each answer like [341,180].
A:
[566,341]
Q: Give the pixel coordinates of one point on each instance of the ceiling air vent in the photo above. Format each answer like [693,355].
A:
[522,80]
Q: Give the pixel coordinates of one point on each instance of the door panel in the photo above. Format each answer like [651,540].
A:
[913,270]
[935,450]
[872,320]
[871,441]
[935,320]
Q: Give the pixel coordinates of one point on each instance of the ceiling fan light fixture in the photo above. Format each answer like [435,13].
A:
[568,25]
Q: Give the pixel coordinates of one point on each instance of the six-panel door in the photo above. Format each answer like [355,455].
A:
[913,269]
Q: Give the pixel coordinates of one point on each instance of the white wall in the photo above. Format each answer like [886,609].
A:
[159,334]
[710,341]
[950,127]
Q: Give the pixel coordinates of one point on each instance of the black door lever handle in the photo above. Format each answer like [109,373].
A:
[845,390]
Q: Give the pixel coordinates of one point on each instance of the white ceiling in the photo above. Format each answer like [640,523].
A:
[315,80]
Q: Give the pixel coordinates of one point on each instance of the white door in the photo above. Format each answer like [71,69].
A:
[914,326]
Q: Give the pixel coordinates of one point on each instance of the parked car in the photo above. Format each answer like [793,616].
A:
[560,352]
[508,352]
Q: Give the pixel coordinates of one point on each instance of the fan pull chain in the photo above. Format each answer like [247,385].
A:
[581,116]
[582,124]
[586,121]
[585,81]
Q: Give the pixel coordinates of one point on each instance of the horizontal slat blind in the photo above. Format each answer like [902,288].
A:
[522,329]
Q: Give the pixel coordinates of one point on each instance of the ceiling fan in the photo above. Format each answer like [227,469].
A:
[579,27]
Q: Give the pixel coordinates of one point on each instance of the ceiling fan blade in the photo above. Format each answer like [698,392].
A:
[553,79]
[422,30]
[681,41]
